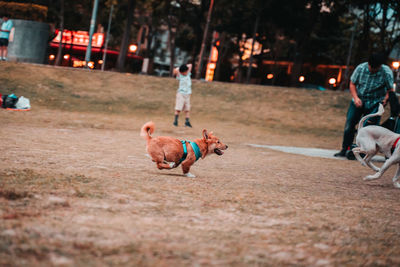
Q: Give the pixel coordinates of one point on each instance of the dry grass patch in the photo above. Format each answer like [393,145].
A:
[78,190]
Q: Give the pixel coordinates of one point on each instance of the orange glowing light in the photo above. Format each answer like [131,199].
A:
[396,64]
[100,62]
[52,57]
[210,71]
[132,48]
[78,63]
[301,79]
[332,81]
[90,64]
[66,57]
[214,54]
[270,76]
[79,38]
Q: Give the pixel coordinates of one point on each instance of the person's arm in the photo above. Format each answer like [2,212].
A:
[387,96]
[190,67]
[389,83]
[353,92]
[175,72]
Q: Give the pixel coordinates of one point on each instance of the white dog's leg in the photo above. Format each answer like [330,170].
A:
[389,162]
[367,159]
[356,152]
[396,177]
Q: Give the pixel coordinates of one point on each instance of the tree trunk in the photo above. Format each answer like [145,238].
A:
[383,26]
[297,65]
[252,49]
[58,60]
[203,43]
[363,45]
[126,37]
[223,48]
[240,63]
[171,41]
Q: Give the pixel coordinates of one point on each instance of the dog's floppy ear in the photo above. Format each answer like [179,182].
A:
[205,134]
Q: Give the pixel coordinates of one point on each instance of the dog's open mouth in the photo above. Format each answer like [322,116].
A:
[218,152]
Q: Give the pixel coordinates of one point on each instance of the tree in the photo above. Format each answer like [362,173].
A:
[126,36]
[57,62]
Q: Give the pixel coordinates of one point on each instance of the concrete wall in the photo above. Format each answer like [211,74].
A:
[28,41]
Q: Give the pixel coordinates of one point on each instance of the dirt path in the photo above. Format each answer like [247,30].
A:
[77,190]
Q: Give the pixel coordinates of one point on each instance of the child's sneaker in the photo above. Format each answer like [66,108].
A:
[175,123]
[187,123]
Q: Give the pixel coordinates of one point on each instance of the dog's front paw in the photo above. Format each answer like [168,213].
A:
[189,175]
[371,177]
[396,184]
[172,165]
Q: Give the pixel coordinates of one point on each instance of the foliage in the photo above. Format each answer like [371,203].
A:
[25,11]
[301,31]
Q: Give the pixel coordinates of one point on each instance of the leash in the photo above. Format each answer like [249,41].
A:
[195,148]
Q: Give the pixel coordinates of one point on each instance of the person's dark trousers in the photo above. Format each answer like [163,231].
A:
[353,116]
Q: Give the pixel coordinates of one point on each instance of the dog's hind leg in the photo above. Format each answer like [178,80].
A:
[165,165]
[356,152]
[367,160]
[389,162]
[396,177]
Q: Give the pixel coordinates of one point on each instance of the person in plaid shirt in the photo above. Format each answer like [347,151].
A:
[370,84]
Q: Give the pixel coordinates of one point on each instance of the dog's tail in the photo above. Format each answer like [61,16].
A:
[379,113]
[147,130]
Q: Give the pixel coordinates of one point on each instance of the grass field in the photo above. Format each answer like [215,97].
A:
[76,188]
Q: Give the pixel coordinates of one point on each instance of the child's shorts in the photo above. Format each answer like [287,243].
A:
[182,102]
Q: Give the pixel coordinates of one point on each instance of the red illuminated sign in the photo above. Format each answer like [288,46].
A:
[79,38]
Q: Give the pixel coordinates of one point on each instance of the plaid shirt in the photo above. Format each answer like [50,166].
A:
[372,87]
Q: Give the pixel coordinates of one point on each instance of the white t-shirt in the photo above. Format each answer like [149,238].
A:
[185,83]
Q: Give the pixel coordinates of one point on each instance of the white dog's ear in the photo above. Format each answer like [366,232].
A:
[205,134]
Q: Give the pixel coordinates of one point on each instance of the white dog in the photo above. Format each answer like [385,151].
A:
[373,139]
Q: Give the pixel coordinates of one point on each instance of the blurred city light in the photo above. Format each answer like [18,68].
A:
[90,64]
[52,57]
[301,79]
[66,57]
[132,48]
[396,64]
[100,61]
[270,76]
[332,81]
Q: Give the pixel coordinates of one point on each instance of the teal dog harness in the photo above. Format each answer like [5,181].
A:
[195,148]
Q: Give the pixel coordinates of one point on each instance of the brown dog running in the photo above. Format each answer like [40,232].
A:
[168,152]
